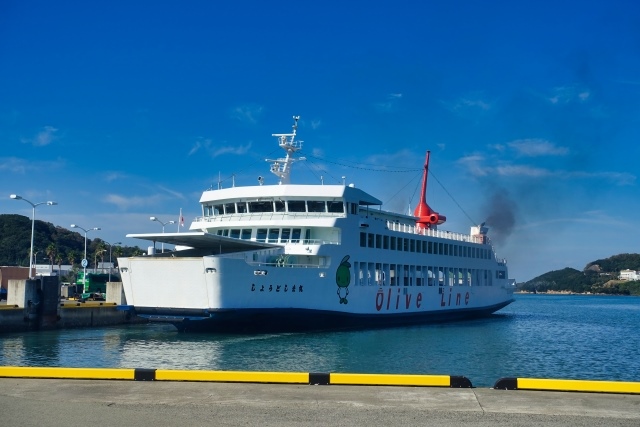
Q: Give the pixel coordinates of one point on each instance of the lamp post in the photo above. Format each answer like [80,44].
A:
[33,222]
[153,218]
[111,265]
[84,260]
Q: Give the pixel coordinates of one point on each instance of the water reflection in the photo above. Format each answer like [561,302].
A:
[537,336]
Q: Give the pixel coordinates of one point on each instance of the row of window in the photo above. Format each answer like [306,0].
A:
[295,206]
[269,235]
[378,241]
[419,275]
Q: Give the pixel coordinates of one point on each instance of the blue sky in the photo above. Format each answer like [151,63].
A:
[124,110]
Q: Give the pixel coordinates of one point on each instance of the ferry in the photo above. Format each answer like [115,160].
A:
[293,257]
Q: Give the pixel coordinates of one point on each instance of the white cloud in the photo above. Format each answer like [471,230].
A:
[217,150]
[468,106]
[173,193]
[18,165]
[200,142]
[247,113]
[229,149]
[612,177]
[476,165]
[521,170]
[111,176]
[475,103]
[537,147]
[390,103]
[566,94]
[45,137]
[14,164]
[126,202]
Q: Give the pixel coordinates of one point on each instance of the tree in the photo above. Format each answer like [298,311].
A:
[59,260]
[117,252]
[72,256]
[51,252]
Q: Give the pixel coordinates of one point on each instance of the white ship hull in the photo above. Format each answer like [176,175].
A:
[226,294]
[293,257]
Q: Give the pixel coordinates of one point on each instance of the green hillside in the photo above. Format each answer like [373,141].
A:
[52,244]
[600,276]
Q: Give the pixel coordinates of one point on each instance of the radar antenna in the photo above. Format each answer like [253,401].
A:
[281,167]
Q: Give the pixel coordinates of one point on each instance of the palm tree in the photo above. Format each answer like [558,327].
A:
[59,259]
[117,252]
[72,256]
[51,252]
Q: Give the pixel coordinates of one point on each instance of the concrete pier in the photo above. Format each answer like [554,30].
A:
[72,403]
[35,304]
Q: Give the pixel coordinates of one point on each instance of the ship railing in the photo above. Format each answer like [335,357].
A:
[412,229]
[288,265]
[268,216]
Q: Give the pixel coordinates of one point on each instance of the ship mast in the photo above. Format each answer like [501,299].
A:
[281,167]
[427,217]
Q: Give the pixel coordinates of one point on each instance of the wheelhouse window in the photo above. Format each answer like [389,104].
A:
[335,207]
[241,207]
[230,208]
[279,206]
[258,207]
[296,206]
[316,206]
[218,209]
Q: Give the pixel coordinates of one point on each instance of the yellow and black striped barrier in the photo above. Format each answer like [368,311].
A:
[313,378]
[568,385]
[67,373]
[86,304]
[404,380]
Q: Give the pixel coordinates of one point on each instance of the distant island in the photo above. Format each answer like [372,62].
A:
[598,277]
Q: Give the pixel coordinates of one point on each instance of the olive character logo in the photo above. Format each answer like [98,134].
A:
[343,278]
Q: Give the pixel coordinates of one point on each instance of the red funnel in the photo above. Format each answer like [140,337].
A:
[427,217]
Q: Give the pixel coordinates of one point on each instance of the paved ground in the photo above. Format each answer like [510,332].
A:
[49,402]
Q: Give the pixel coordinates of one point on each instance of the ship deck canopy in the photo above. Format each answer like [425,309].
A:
[203,240]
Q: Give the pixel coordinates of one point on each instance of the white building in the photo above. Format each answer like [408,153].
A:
[629,275]
[52,270]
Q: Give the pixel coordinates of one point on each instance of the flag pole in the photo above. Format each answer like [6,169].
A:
[180,220]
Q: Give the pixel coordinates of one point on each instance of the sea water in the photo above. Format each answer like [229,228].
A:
[538,336]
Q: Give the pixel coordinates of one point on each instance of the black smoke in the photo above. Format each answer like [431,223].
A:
[501,217]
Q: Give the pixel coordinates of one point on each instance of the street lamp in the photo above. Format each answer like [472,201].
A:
[153,218]
[84,260]
[33,222]
[111,265]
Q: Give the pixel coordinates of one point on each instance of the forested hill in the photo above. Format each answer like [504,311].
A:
[52,244]
[600,276]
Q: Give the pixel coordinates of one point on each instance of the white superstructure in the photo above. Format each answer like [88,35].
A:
[291,256]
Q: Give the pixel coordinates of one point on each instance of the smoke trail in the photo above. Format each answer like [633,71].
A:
[501,218]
